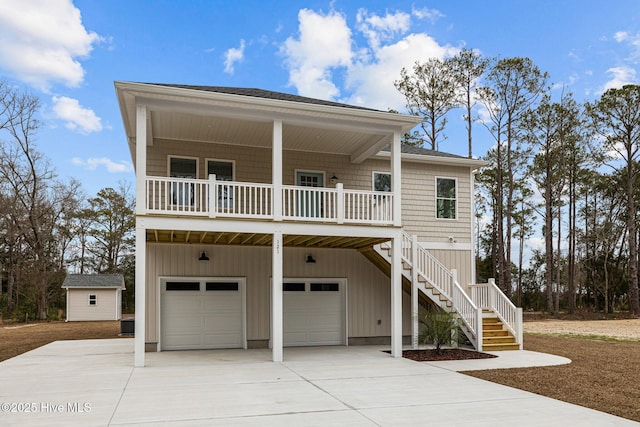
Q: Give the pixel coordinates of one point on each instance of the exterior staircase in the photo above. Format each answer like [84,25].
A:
[488,318]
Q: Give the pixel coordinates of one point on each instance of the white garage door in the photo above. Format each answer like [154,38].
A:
[202,314]
[314,312]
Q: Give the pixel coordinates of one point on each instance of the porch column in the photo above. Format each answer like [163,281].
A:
[396,179]
[276,170]
[396,296]
[415,321]
[141,239]
[276,297]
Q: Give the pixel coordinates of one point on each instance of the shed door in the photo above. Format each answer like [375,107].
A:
[201,314]
[314,313]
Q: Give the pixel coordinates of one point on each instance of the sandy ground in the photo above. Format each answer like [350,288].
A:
[628,329]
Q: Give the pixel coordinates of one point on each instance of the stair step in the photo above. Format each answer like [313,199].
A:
[500,347]
[495,333]
[489,327]
[490,320]
[498,340]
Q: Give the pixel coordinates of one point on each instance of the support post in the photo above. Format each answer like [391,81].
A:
[213,196]
[396,179]
[276,298]
[276,170]
[140,293]
[340,203]
[396,296]
[415,321]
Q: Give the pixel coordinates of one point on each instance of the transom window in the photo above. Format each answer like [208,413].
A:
[446,198]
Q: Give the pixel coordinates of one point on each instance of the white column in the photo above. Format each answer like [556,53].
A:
[276,297]
[141,158]
[415,322]
[140,292]
[396,296]
[141,244]
[276,170]
[396,179]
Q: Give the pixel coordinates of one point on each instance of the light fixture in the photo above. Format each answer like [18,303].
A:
[310,259]
[203,257]
[333,178]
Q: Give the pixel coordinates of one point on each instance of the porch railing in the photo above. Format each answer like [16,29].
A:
[233,199]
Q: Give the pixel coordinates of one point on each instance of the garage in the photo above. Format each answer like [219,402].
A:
[314,312]
[202,313]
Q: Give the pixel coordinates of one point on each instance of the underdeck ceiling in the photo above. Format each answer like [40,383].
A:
[259,239]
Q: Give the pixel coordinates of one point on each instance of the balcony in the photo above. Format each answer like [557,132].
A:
[246,200]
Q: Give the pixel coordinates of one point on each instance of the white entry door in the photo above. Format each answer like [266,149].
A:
[314,312]
[202,313]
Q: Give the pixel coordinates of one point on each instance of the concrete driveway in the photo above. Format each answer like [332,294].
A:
[86,383]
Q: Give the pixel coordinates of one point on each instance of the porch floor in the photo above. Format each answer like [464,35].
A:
[357,385]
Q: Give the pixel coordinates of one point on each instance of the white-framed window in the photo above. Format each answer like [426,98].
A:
[224,170]
[381,181]
[446,198]
[93,299]
[182,193]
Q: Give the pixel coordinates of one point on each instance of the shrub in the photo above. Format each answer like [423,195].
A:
[437,327]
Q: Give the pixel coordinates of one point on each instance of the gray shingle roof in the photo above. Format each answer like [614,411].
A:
[261,93]
[93,281]
[410,149]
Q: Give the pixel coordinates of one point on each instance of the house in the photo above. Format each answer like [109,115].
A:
[265,219]
[94,296]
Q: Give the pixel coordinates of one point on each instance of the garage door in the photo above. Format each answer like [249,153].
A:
[314,312]
[202,314]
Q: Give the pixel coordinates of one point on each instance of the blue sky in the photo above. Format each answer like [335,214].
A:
[69,54]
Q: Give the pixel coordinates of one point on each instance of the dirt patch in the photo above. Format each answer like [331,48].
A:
[603,374]
[16,339]
[627,329]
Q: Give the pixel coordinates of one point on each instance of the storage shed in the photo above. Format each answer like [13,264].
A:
[94,296]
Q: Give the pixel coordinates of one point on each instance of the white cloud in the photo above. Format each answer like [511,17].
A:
[232,56]
[324,53]
[42,40]
[92,163]
[76,117]
[621,76]
[426,13]
[324,42]
[621,36]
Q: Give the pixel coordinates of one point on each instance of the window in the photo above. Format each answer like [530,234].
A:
[446,198]
[293,287]
[325,287]
[222,286]
[223,170]
[182,193]
[183,286]
[381,181]
[93,299]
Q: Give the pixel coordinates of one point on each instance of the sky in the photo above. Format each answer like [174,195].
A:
[69,53]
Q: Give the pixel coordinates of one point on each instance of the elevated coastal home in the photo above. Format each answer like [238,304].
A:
[265,219]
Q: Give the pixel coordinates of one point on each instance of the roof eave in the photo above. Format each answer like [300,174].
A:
[473,164]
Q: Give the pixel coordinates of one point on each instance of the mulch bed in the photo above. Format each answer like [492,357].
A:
[430,355]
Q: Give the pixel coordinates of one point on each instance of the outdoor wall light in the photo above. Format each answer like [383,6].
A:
[333,178]
[310,259]
[203,257]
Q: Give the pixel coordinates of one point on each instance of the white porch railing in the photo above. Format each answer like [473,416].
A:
[489,296]
[183,196]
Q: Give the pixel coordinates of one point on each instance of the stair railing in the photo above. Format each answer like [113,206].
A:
[489,296]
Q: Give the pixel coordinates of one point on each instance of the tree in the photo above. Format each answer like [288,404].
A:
[467,67]
[430,92]
[616,118]
[513,85]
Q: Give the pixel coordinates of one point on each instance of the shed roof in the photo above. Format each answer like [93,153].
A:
[93,281]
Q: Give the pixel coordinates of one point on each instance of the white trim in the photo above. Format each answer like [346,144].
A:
[67,301]
[233,166]
[242,284]
[436,178]
[473,164]
[447,246]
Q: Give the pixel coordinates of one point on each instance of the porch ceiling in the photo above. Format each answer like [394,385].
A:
[259,239]
[258,133]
